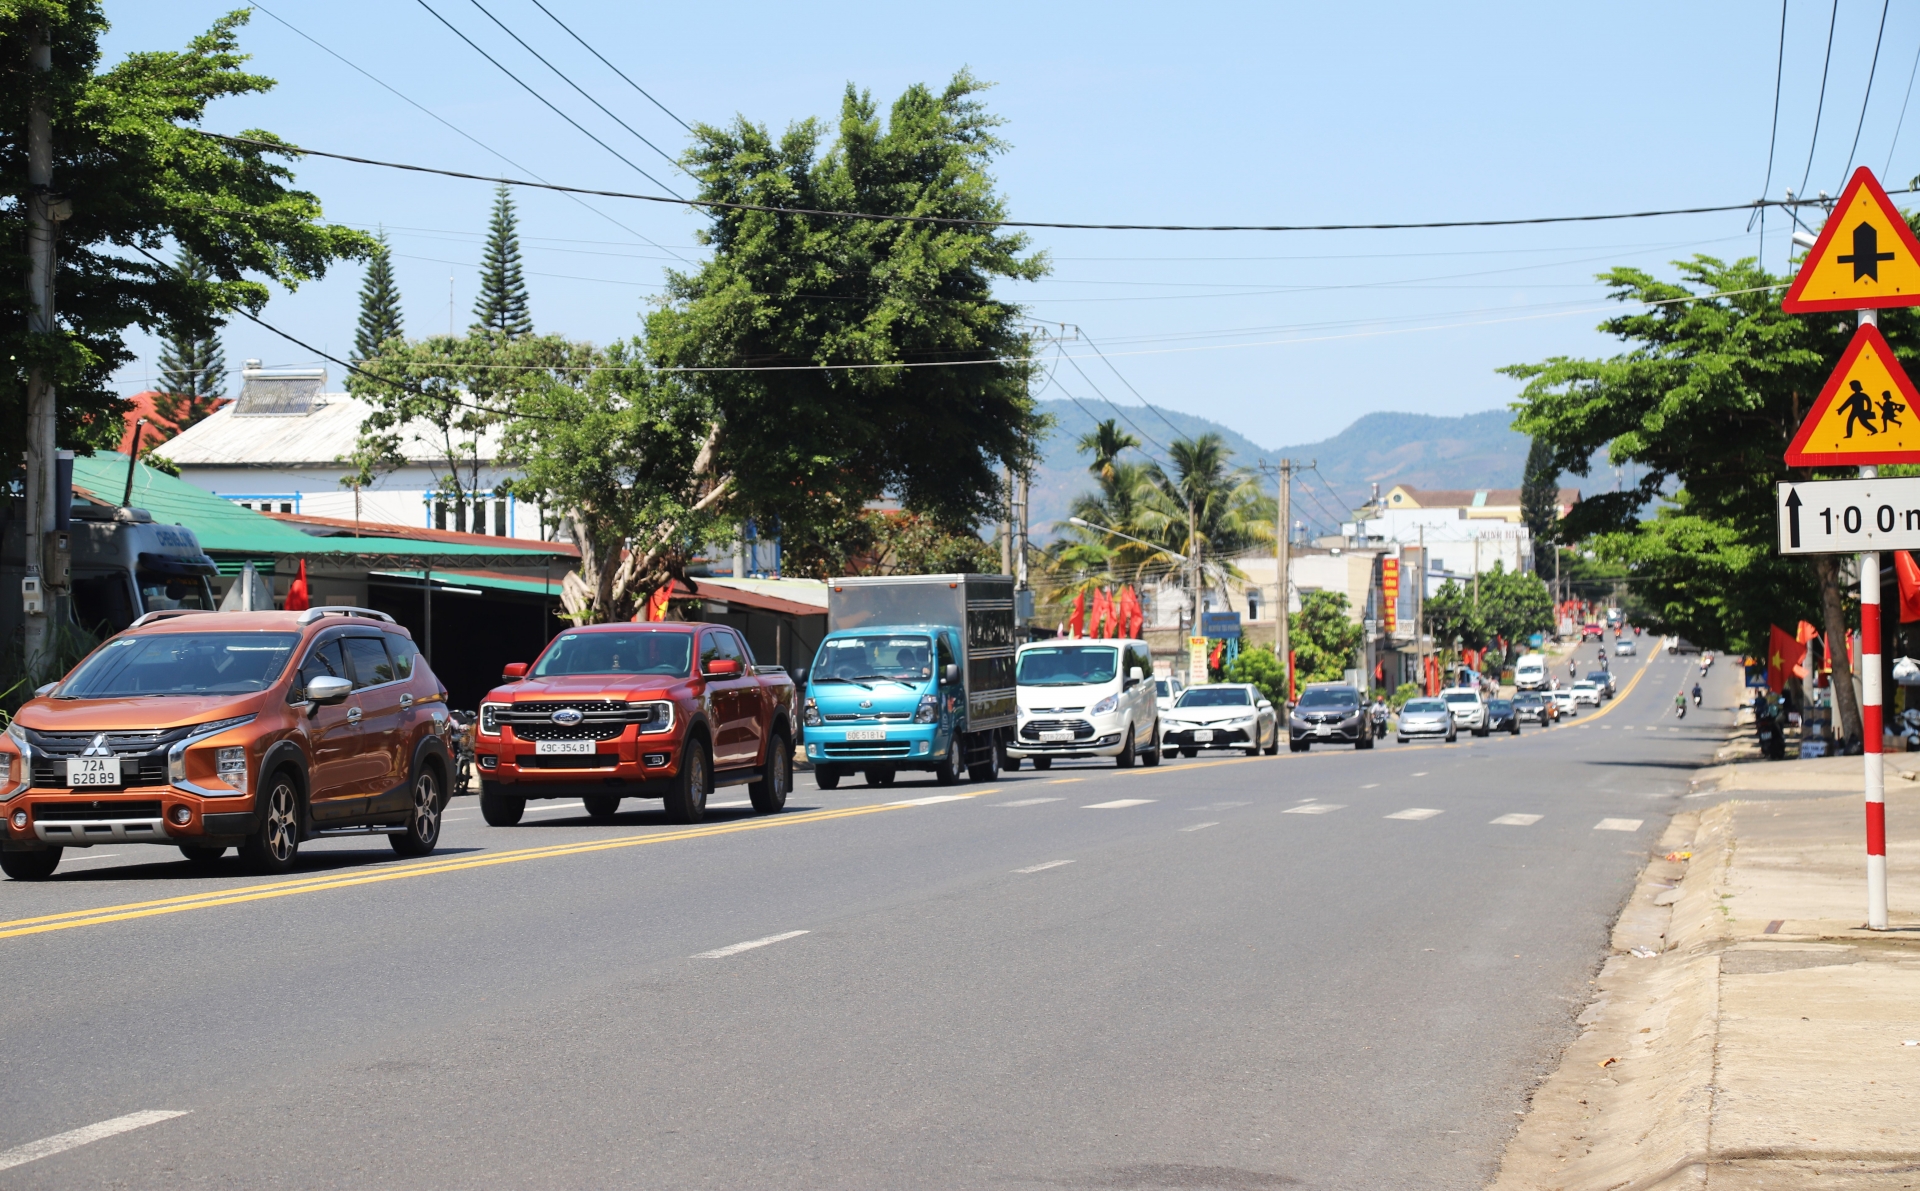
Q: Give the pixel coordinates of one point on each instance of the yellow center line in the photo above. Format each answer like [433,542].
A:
[122,913]
[1633,682]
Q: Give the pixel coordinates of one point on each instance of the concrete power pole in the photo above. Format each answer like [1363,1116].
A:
[40,420]
[1282,550]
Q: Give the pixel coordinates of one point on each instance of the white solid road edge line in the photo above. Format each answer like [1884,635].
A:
[737,948]
[59,1143]
[1038,868]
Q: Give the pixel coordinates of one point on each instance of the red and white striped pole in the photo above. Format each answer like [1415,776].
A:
[1870,724]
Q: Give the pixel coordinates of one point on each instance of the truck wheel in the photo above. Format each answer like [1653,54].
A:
[202,856]
[1124,758]
[769,795]
[947,772]
[1043,763]
[274,845]
[686,802]
[30,866]
[423,819]
[498,809]
[826,779]
[601,808]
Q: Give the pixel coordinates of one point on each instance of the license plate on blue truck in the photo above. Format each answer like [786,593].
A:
[866,733]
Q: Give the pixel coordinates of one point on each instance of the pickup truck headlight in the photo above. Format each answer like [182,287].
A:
[811,714]
[928,711]
[490,719]
[1105,705]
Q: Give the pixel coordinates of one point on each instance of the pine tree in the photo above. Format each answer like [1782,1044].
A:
[502,306]
[1540,503]
[379,305]
[193,369]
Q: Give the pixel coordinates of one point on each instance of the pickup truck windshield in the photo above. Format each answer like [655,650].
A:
[1201,696]
[865,659]
[181,664]
[667,654]
[1068,665]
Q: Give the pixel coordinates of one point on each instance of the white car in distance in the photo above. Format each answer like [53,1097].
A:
[1469,710]
[1564,702]
[1165,691]
[1586,691]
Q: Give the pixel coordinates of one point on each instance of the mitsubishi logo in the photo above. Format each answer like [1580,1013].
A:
[98,748]
[567,717]
[866,702]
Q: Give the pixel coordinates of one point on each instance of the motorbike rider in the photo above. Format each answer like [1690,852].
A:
[1379,716]
[1696,694]
[1680,705]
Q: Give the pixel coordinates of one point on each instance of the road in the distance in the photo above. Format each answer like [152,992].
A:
[1334,968]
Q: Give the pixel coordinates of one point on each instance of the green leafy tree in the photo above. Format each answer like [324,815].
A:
[910,544]
[1713,383]
[1259,667]
[379,304]
[138,174]
[193,369]
[1324,637]
[934,402]
[1540,503]
[1451,616]
[501,308]
[1513,605]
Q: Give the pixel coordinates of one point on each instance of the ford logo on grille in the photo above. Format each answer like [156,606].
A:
[567,716]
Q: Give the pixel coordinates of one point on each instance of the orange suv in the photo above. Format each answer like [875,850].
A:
[210,730]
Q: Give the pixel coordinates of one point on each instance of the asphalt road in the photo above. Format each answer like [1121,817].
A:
[1338,969]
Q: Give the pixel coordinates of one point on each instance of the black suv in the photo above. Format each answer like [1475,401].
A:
[1328,713]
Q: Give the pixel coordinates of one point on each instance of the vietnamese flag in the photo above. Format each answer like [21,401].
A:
[299,601]
[1782,653]
[657,602]
[1908,573]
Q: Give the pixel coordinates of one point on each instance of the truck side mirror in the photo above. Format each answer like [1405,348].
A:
[513,672]
[327,690]
[1134,674]
[724,667]
[950,673]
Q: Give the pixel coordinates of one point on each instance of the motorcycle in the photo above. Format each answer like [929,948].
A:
[1696,696]
[1379,723]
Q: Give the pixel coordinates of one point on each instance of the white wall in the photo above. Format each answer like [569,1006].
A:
[398,498]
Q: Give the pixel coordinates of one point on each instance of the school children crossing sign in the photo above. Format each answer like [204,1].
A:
[1869,413]
[1866,256]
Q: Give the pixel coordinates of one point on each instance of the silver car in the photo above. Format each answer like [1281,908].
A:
[1426,717]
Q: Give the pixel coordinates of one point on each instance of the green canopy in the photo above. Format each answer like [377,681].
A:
[235,536]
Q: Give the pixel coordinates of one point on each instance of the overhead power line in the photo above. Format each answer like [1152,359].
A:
[1902,121]
[610,66]
[549,105]
[576,86]
[957,221]
[1821,107]
[1773,136]
[1872,69]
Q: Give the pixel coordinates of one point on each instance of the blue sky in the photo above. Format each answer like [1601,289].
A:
[1116,113]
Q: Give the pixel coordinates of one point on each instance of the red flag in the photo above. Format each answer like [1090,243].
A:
[1806,633]
[1102,614]
[657,602]
[1293,691]
[299,601]
[1908,573]
[1076,624]
[1782,653]
[1136,617]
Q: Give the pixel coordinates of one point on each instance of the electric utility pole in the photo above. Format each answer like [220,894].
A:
[40,420]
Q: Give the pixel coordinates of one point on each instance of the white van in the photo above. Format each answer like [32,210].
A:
[1530,673]
[1085,698]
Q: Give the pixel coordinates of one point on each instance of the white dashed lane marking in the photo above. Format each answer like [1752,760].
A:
[60,1143]
[1116,804]
[1029,801]
[1314,808]
[931,799]
[749,945]
[1040,868]
[1618,825]
[1201,826]
[1414,812]
[1515,821]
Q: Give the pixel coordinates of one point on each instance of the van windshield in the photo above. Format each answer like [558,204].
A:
[889,657]
[1068,665]
[181,664]
[667,654]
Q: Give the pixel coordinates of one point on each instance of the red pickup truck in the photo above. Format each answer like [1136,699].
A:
[612,711]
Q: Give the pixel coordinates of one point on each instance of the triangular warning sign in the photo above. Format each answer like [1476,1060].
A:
[1865,257]
[1868,413]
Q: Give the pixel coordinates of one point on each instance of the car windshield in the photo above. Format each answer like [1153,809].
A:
[1162,687]
[890,657]
[181,664]
[1597,676]
[1500,706]
[1583,685]
[1068,665]
[1528,700]
[1461,697]
[1332,696]
[665,653]
[1215,696]
[1423,707]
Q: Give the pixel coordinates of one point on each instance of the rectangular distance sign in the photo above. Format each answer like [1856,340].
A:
[1849,516]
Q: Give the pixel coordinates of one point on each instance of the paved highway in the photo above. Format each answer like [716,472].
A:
[1339,969]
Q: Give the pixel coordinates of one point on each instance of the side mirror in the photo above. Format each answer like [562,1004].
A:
[1266,705]
[723,668]
[327,690]
[513,672]
[41,692]
[950,673]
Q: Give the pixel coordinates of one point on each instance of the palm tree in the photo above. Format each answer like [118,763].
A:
[1104,443]
[1206,509]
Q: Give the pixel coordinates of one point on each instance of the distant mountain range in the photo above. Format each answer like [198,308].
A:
[1470,451]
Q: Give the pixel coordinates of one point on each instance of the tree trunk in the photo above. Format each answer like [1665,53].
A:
[1833,614]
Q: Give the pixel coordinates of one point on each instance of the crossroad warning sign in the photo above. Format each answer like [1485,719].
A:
[1866,256]
[1868,413]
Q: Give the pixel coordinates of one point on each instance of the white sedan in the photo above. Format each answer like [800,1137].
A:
[1586,691]
[1219,716]
[1564,702]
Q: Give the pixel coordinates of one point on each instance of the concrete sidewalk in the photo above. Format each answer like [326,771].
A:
[1747,1031]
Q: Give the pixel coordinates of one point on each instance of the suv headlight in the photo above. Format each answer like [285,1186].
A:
[928,711]
[811,714]
[177,755]
[230,766]
[490,719]
[1105,705]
